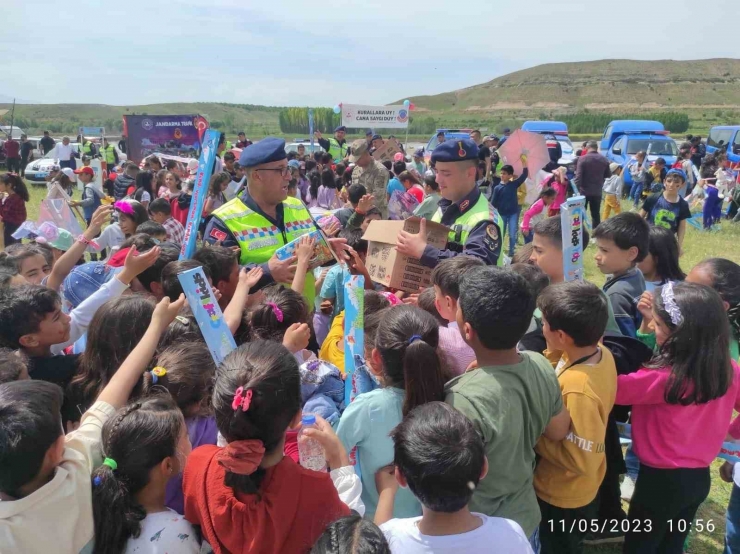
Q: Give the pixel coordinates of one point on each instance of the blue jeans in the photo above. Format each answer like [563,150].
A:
[732,525]
[534,541]
[636,192]
[511,222]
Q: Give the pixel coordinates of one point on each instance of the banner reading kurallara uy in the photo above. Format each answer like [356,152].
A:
[381,117]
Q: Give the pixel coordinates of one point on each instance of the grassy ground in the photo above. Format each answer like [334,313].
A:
[698,245]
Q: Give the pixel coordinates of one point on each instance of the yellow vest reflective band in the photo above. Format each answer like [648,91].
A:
[110,154]
[86,149]
[482,211]
[337,151]
[258,238]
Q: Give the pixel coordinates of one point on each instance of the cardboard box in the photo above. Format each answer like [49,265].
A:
[386,152]
[391,269]
[322,253]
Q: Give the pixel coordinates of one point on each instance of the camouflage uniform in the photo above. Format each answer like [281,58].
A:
[375,179]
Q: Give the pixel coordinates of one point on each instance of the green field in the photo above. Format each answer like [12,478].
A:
[698,245]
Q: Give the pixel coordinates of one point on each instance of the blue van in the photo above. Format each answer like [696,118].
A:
[725,136]
[624,138]
[559,130]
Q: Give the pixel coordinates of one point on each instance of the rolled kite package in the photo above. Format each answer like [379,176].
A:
[321,252]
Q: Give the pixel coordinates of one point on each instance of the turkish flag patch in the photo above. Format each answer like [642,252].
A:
[217,234]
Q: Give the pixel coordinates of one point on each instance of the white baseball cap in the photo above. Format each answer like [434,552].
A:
[69,172]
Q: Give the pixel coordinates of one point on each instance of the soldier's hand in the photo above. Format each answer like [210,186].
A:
[282,271]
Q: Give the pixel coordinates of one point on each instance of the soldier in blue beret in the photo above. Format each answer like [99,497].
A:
[264,218]
[475,225]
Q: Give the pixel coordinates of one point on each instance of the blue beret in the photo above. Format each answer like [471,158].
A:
[455,150]
[267,150]
[341,128]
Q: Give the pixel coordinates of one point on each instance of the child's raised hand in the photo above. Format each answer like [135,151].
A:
[645,306]
[356,265]
[136,263]
[385,478]
[336,455]
[166,311]
[251,277]
[101,215]
[365,203]
[332,229]
[305,248]
[296,337]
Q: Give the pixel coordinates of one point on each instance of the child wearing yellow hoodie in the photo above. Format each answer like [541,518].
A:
[569,472]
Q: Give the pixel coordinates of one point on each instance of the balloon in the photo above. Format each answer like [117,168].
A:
[412,106]
[337,109]
[406,103]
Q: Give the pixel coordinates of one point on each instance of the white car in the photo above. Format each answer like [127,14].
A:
[293,146]
[38,170]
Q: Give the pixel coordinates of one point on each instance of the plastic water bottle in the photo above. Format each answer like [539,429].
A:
[310,452]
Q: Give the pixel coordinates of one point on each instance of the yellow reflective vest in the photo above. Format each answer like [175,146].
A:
[258,238]
[109,154]
[337,151]
[482,211]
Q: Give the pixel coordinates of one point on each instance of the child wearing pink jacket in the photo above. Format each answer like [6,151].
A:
[537,211]
[682,406]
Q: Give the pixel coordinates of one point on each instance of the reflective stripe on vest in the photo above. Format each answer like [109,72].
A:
[86,149]
[258,238]
[110,154]
[337,151]
[460,229]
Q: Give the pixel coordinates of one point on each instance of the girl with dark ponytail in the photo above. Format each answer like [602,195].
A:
[144,444]
[406,361]
[247,496]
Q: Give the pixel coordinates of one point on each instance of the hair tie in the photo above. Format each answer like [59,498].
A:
[182,319]
[241,457]
[111,463]
[97,480]
[242,399]
[414,338]
[669,303]
[277,311]
[157,372]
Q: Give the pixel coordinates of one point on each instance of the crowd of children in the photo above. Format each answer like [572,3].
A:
[486,419]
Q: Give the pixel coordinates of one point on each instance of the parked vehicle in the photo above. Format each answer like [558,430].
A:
[449,135]
[38,170]
[559,130]
[293,146]
[623,139]
[725,136]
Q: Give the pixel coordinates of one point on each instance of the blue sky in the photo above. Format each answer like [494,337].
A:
[288,52]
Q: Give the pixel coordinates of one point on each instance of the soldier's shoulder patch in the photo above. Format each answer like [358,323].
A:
[218,234]
[492,231]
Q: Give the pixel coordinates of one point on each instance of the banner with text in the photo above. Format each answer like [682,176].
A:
[177,135]
[381,117]
[571,218]
[200,190]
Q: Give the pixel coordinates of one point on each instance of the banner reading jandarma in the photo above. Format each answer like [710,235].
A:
[177,135]
[382,117]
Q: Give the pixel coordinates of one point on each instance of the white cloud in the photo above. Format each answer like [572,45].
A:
[288,52]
